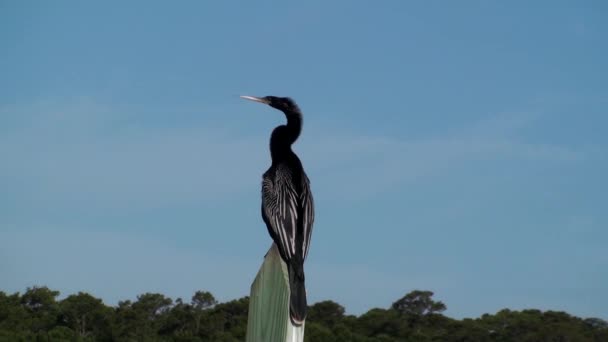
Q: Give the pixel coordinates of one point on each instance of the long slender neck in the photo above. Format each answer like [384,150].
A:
[284,136]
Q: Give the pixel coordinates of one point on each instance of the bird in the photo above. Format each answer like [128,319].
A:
[287,201]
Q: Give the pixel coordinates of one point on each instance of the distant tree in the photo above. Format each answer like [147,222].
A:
[599,328]
[418,303]
[317,332]
[42,307]
[202,300]
[142,319]
[62,333]
[84,314]
[38,316]
[596,323]
[124,322]
[150,311]
[326,312]
[377,322]
[179,322]
[229,318]
[467,330]
[152,305]
[39,298]
[13,315]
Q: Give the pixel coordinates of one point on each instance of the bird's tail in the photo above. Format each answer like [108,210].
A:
[297,301]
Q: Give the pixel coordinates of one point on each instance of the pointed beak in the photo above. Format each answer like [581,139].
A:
[256,99]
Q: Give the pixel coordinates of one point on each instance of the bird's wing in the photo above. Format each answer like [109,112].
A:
[308,213]
[280,206]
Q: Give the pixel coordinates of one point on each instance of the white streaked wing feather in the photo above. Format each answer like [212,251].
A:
[280,207]
[308,214]
[283,207]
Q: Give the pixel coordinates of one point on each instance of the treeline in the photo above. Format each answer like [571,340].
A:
[37,315]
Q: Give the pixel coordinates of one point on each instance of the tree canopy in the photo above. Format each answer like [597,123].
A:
[418,303]
[38,315]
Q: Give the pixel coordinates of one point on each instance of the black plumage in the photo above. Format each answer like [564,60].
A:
[287,202]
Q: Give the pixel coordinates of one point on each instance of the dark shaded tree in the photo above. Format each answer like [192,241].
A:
[326,312]
[229,320]
[37,316]
[13,315]
[418,303]
[85,315]
[42,308]
[378,322]
[201,301]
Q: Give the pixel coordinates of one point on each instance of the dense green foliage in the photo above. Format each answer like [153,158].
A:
[38,315]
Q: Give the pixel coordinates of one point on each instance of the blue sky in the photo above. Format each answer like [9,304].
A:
[453,147]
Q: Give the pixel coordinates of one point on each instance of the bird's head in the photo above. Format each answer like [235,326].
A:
[284,104]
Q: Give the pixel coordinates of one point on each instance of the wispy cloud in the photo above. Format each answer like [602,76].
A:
[93,260]
[116,265]
[80,154]
[375,164]
[83,151]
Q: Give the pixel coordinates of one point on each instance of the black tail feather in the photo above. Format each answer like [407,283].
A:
[297,302]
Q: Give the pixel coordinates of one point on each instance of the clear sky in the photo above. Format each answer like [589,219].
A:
[458,147]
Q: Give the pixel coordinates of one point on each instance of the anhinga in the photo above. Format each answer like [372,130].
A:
[287,202]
